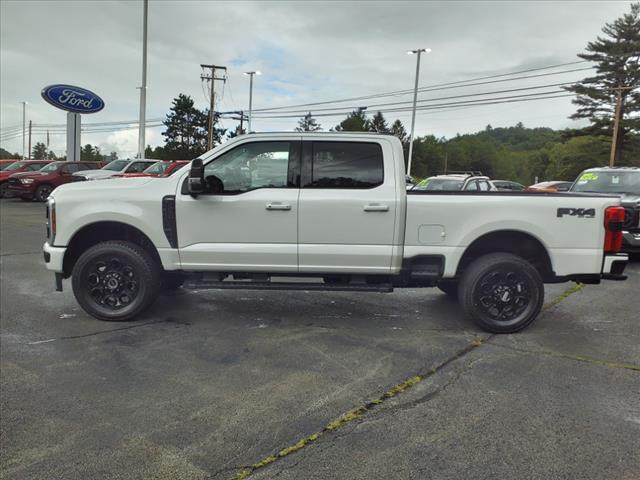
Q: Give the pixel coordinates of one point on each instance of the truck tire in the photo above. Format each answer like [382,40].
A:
[115,280]
[450,287]
[42,193]
[501,292]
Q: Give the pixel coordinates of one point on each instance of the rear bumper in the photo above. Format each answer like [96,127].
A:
[613,266]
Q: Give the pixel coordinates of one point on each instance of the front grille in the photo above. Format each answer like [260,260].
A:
[79,178]
[631,218]
[13,181]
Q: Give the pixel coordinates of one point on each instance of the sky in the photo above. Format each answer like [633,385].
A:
[307,52]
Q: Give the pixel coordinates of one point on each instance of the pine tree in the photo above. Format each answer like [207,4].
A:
[397,129]
[356,121]
[39,151]
[617,58]
[186,133]
[308,124]
[378,124]
[90,153]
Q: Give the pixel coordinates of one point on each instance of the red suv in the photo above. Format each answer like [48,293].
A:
[38,185]
[19,166]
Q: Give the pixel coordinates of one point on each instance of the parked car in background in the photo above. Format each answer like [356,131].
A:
[410,181]
[113,168]
[467,181]
[16,167]
[163,168]
[5,163]
[38,185]
[550,187]
[508,185]
[620,180]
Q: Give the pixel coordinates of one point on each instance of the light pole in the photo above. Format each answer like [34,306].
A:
[418,52]
[251,74]
[143,88]
[24,126]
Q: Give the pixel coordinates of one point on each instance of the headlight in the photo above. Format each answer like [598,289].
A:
[26,181]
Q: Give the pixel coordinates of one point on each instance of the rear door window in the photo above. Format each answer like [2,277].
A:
[348,165]
[472,186]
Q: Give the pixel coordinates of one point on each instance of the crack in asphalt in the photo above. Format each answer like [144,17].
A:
[356,413]
[101,332]
[570,356]
[20,253]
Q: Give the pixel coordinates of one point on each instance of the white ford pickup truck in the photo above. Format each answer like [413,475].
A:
[272,211]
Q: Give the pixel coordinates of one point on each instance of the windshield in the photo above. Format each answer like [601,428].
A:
[15,166]
[157,168]
[52,167]
[608,182]
[116,165]
[439,184]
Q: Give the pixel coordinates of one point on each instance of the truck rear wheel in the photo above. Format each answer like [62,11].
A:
[501,292]
[115,280]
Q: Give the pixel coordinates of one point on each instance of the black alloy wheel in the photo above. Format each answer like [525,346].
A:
[43,192]
[115,280]
[501,292]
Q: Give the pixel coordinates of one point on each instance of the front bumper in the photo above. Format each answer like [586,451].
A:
[53,257]
[21,189]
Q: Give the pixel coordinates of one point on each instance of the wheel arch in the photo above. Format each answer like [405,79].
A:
[97,232]
[517,242]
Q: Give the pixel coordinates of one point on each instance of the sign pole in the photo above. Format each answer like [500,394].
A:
[73,137]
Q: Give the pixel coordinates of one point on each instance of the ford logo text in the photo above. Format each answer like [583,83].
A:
[72,99]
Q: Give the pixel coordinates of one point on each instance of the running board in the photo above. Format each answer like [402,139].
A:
[250,285]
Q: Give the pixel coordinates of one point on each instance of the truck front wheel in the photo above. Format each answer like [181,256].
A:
[501,292]
[115,280]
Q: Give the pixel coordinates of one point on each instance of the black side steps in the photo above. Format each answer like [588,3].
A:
[211,284]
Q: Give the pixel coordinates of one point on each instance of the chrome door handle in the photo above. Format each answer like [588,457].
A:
[278,206]
[376,207]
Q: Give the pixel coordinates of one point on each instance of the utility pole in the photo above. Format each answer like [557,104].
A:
[419,51]
[24,108]
[616,124]
[212,101]
[143,88]
[29,138]
[251,75]
[446,160]
[241,121]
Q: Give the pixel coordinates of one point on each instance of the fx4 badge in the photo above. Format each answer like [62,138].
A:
[577,212]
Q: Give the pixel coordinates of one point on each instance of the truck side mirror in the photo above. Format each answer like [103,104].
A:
[196,183]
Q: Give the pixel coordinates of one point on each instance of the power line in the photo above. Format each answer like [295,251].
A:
[457,84]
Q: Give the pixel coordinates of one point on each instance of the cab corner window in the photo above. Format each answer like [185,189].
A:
[348,165]
[248,167]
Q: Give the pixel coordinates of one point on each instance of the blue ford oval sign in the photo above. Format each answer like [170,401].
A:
[72,99]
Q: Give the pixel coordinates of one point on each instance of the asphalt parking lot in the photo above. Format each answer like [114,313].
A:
[310,385]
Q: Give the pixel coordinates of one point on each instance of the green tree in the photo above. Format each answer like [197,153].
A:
[617,59]
[378,124]
[356,121]
[90,153]
[39,151]
[186,130]
[308,124]
[6,155]
[567,160]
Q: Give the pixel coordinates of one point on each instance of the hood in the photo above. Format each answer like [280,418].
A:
[105,188]
[99,173]
[29,174]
